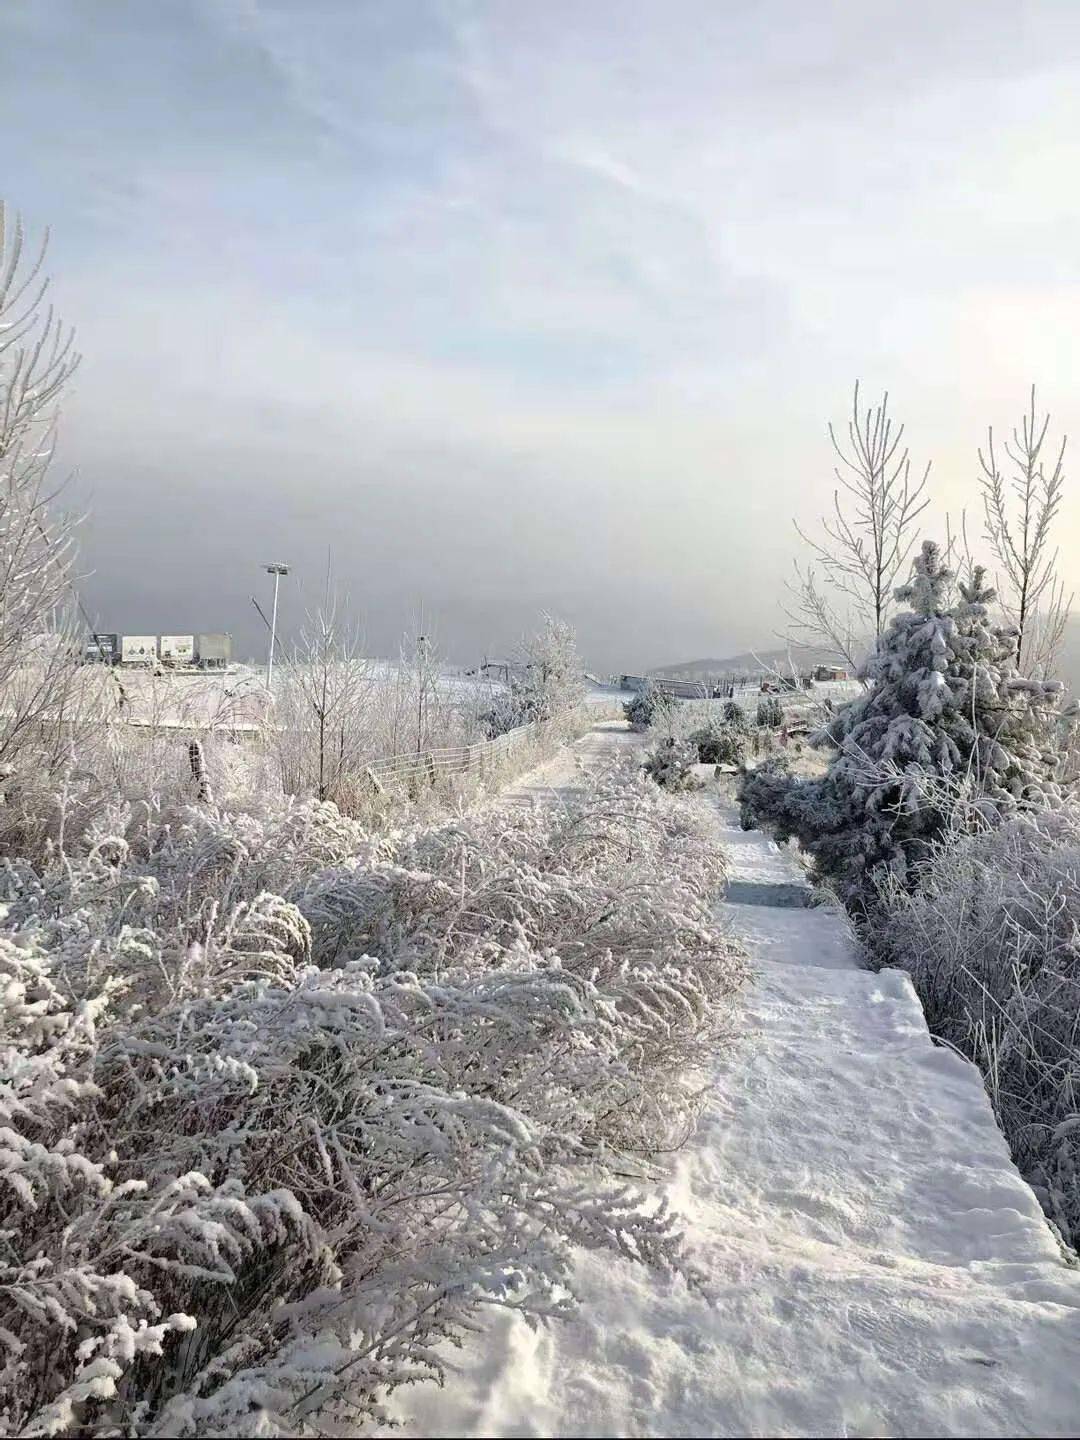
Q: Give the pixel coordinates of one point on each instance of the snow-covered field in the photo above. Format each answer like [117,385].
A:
[873,1264]
[232,698]
[236,699]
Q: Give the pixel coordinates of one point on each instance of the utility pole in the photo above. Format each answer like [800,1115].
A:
[277,570]
[421,675]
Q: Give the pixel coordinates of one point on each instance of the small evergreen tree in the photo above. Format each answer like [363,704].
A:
[720,744]
[735,715]
[770,713]
[649,707]
[944,702]
[671,764]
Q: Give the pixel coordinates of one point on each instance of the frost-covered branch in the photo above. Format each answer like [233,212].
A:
[1019,513]
[37,359]
[284,1104]
[842,596]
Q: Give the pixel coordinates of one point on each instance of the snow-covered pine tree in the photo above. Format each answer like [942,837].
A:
[671,763]
[735,715]
[650,707]
[944,704]
[770,713]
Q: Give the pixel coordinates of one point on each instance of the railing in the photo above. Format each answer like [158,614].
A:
[426,766]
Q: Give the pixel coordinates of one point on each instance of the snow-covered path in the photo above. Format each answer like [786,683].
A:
[876,1264]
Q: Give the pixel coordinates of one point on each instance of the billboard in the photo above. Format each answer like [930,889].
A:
[178,649]
[138,649]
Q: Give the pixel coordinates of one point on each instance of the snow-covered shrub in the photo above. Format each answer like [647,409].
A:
[671,763]
[990,934]
[770,713]
[765,794]
[720,743]
[622,870]
[943,701]
[242,1192]
[509,709]
[554,683]
[735,716]
[649,707]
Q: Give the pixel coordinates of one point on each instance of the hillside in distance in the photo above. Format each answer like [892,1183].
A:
[777,658]
[781,658]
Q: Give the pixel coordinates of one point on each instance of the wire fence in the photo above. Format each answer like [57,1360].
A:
[484,759]
[481,758]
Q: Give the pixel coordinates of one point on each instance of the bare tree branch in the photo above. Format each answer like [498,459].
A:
[842,598]
[37,358]
[1019,513]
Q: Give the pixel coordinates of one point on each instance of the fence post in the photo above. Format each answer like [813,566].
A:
[431,768]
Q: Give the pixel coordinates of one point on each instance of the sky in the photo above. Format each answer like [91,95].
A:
[501,306]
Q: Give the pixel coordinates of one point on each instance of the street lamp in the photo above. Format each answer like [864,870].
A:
[276,570]
[421,677]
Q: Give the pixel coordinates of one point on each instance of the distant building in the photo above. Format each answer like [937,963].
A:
[208,652]
[830,672]
[681,689]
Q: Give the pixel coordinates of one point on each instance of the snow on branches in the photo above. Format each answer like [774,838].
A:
[944,703]
[284,1106]
[988,933]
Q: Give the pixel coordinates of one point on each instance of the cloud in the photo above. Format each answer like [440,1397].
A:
[532,304]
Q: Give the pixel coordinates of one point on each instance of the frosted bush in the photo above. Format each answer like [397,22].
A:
[990,935]
[671,763]
[720,743]
[770,712]
[284,1104]
[649,707]
[735,716]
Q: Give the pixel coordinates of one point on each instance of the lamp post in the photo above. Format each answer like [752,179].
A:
[421,676]
[277,570]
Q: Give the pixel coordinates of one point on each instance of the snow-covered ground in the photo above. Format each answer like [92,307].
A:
[237,697]
[874,1263]
[597,693]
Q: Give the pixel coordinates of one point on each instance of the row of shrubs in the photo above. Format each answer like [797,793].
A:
[724,741]
[651,708]
[286,1103]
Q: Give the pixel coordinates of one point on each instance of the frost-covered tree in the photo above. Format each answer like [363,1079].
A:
[549,684]
[649,707]
[554,684]
[735,715]
[323,730]
[770,713]
[1019,514]
[671,762]
[36,361]
[944,700]
[841,599]
[722,743]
